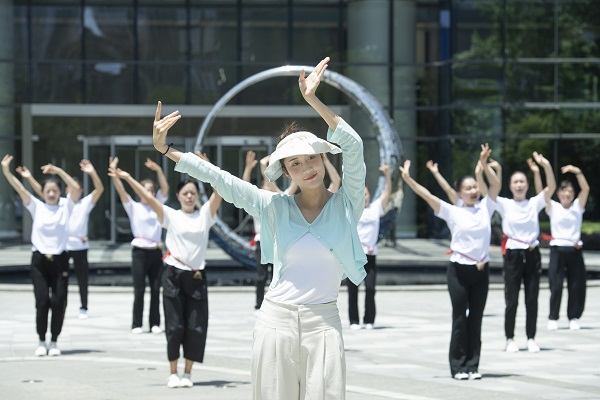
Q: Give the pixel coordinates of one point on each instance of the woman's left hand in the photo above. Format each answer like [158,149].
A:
[308,85]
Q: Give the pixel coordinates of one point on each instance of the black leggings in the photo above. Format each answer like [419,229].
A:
[566,261]
[50,277]
[370,280]
[80,262]
[468,288]
[149,263]
[521,265]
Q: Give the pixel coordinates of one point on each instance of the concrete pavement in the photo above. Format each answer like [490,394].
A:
[404,358]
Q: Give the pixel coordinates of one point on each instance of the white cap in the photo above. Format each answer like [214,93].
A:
[298,143]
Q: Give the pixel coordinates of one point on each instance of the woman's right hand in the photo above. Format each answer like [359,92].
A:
[24,172]
[161,128]
[405,170]
[432,167]
[6,161]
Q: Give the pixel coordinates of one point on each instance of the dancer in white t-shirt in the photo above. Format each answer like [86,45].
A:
[78,242]
[368,232]
[468,271]
[146,251]
[310,238]
[522,261]
[49,260]
[566,258]
[185,298]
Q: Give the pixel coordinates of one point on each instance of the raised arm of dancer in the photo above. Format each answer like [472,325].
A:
[497,169]
[387,189]
[140,190]
[479,178]
[584,187]
[308,87]
[537,177]
[334,176]
[88,168]
[28,176]
[74,187]
[250,164]
[13,181]
[160,177]
[450,192]
[215,198]
[421,191]
[113,162]
[494,183]
[550,180]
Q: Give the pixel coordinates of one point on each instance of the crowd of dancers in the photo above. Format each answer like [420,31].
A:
[310,237]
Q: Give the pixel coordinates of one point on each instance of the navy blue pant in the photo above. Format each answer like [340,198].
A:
[146,263]
[370,279]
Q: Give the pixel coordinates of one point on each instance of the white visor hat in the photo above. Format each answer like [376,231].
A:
[298,143]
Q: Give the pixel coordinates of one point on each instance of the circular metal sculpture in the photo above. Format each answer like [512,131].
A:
[390,149]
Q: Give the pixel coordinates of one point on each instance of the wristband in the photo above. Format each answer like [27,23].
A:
[167,150]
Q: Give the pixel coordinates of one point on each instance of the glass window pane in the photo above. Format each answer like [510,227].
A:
[214,34]
[578,121]
[579,82]
[162,33]
[529,82]
[56,33]
[476,21]
[210,82]
[477,82]
[108,33]
[427,86]
[315,33]
[264,35]
[167,83]
[109,82]
[578,29]
[58,82]
[530,28]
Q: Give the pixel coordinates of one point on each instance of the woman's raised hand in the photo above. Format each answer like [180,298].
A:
[49,169]
[540,159]
[405,170]
[570,168]
[432,167]
[485,153]
[24,172]
[161,128]
[533,166]
[6,161]
[308,85]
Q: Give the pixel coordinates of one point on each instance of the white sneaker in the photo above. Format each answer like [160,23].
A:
[474,375]
[369,326]
[552,325]
[156,329]
[511,346]
[41,350]
[532,346]
[83,313]
[53,351]
[461,376]
[173,381]
[574,324]
[186,382]
[136,331]
[355,327]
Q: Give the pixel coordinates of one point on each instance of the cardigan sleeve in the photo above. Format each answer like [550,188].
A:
[354,171]
[234,190]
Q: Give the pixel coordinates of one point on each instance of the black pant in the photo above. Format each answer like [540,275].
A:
[146,263]
[263,273]
[185,303]
[521,266]
[80,262]
[369,318]
[569,261]
[468,288]
[50,277]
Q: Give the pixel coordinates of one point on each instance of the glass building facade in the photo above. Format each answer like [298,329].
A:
[81,78]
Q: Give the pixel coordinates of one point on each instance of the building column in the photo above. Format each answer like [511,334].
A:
[7,117]
[375,38]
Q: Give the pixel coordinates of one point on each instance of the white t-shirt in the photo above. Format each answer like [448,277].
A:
[49,230]
[256,222]
[147,232]
[368,227]
[187,236]
[310,274]
[471,230]
[520,220]
[78,224]
[159,196]
[565,223]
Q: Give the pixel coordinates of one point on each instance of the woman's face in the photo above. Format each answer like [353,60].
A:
[51,193]
[188,196]
[519,185]
[566,195]
[306,170]
[150,188]
[469,192]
